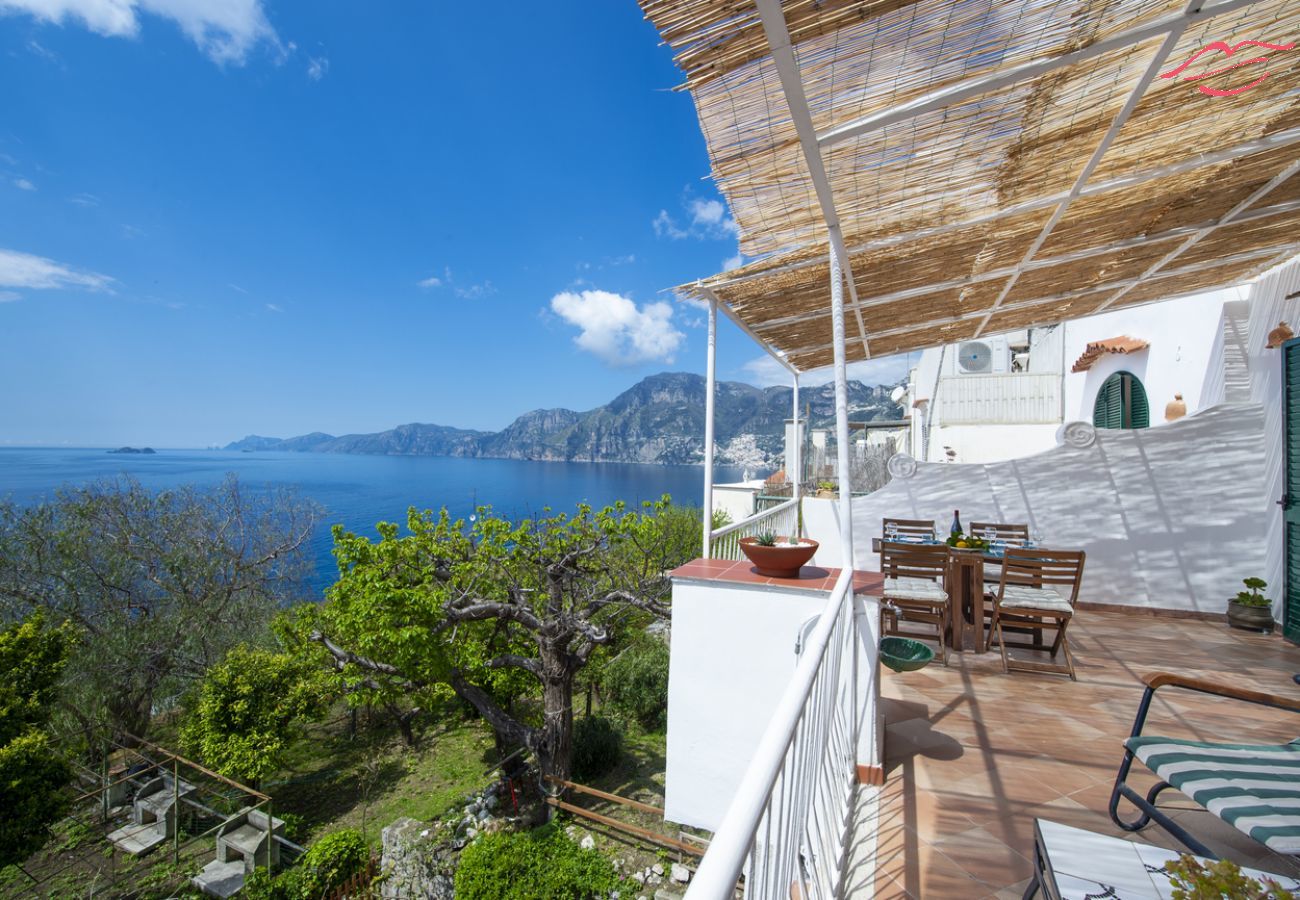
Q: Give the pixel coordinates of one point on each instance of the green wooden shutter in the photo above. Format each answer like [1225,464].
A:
[1111,410]
[1291,489]
[1139,412]
[1108,411]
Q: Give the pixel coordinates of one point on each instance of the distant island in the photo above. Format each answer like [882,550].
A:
[658,420]
[134,450]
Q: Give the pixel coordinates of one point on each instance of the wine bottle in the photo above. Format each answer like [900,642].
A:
[956,524]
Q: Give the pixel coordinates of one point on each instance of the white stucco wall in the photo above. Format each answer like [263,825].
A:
[1182,335]
[991,443]
[737,500]
[1268,306]
[1171,518]
[733,652]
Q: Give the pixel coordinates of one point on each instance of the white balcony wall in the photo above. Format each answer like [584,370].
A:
[733,653]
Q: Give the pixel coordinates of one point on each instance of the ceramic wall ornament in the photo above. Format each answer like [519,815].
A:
[1175,409]
[1279,336]
[901,465]
[1077,434]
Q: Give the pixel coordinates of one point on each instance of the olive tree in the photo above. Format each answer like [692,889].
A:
[160,585]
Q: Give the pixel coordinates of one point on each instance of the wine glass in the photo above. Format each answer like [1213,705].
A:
[891,531]
[990,535]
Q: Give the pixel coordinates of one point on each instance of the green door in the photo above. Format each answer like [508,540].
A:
[1290,501]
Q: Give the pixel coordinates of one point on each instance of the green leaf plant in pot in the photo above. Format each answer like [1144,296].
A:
[1251,610]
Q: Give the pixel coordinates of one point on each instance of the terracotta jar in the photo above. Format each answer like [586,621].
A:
[1175,408]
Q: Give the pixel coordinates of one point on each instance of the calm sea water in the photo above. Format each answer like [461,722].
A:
[358,491]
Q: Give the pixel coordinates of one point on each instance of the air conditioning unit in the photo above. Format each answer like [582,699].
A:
[987,357]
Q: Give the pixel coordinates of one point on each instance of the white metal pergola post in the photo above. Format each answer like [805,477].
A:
[710,388]
[841,410]
[794,465]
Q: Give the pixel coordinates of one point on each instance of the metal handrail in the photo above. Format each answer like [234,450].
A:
[733,848]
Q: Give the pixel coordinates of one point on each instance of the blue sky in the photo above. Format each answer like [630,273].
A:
[222,217]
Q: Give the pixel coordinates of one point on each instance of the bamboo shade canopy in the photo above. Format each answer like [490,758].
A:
[990,166]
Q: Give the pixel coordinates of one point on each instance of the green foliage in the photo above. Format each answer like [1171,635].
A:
[332,860]
[636,683]
[158,584]
[32,659]
[597,746]
[1252,596]
[765,539]
[542,864]
[31,774]
[246,711]
[721,519]
[326,866]
[1193,880]
[505,614]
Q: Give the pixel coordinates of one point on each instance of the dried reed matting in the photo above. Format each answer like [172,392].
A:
[940,210]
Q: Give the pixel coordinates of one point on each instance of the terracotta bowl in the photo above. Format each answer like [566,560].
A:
[781,561]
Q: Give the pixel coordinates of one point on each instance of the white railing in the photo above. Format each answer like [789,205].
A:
[1011,399]
[786,829]
[782,519]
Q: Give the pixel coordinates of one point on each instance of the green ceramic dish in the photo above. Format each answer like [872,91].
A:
[904,654]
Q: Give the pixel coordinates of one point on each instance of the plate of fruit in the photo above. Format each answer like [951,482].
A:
[967,542]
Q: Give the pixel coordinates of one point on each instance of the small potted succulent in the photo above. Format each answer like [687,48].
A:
[1250,609]
[778,557]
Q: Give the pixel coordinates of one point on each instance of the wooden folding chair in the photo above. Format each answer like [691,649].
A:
[914,585]
[1037,591]
[913,529]
[1014,535]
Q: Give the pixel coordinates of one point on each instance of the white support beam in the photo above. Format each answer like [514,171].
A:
[710,381]
[787,69]
[1226,154]
[1042,262]
[794,465]
[1226,219]
[1117,124]
[711,298]
[975,87]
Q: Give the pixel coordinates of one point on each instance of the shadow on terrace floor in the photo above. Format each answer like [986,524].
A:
[974,756]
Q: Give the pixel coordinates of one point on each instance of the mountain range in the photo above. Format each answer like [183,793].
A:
[660,420]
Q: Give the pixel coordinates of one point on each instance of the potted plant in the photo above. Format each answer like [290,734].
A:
[778,557]
[1194,880]
[826,489]
[1250,609]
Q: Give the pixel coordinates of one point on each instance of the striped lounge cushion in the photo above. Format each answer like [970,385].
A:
[906,588]
[1253,787]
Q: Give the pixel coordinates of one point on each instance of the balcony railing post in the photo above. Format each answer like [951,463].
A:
[841,409]
[794,466]
[710,375]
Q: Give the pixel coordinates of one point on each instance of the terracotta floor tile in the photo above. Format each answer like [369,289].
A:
[973,756]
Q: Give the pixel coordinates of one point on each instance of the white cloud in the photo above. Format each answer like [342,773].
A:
[764,371]
[25,270]
[84,199]
[616,330]
[475,291]
[733,262]
[37,49]
[235,287]
[432,281]
[10,296]
[24,185]
[130,232]
[273,308]
[705,219]
[226,30]
[316,68]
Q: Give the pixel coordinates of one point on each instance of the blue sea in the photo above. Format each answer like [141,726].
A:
[358,491]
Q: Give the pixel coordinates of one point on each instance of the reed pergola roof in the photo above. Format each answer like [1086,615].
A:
[986,166]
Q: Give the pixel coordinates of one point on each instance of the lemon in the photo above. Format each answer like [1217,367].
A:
[962,544]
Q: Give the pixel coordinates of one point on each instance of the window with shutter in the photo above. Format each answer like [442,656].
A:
[1121,403]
